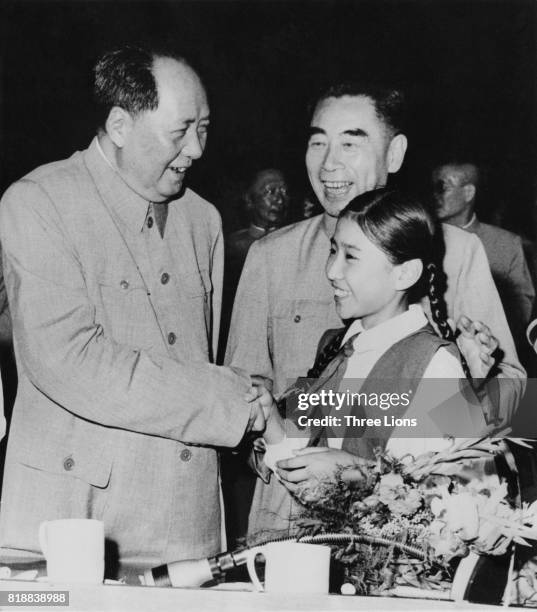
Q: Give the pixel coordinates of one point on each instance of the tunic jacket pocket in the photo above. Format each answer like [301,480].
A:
[297,326]
[126,313]
[74,448]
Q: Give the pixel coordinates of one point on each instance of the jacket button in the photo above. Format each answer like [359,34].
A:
[124,284]
[171,338]
[68,464]
[297,319]
[164,278]
[186,455]
[149,222]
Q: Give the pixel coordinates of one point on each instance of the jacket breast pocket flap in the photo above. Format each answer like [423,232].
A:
[126,284]
[297,310]
[125,306]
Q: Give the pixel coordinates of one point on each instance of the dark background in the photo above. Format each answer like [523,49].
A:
[469,69]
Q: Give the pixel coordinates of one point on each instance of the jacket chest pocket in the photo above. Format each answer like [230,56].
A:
[125,311]
[297,326]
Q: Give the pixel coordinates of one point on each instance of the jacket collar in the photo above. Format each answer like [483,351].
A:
[129,207]
[472,225]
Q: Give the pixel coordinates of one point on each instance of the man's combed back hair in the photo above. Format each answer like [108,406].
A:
[390,103]
[124,77]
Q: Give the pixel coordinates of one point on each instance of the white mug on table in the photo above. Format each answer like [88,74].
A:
[291,567]
[74,550]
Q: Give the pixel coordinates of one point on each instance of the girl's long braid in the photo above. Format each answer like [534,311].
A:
[435,286]
[326,355]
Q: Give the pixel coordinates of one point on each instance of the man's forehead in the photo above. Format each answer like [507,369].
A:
[177,83]
[345,113]
[450,173]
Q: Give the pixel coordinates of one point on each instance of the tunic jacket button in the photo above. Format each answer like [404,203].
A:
[68,464]
[164,278]
[186,455]
[297,319]
[171,338]
[124,284]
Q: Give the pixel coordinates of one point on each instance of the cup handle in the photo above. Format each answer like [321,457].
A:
[43,537]
[250,565]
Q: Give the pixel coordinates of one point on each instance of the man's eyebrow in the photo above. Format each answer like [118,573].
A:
[182,125]
[315,130]
[185,123]
[355,132]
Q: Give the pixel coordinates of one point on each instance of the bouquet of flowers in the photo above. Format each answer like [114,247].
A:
[413,517]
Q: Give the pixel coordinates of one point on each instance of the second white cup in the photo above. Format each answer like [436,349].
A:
[292,567]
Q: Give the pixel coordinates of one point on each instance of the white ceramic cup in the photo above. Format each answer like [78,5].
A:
[74,550]
[291,567]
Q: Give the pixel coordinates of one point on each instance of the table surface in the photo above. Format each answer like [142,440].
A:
[118,598]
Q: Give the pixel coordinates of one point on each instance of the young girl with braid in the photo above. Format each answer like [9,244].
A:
[382,262]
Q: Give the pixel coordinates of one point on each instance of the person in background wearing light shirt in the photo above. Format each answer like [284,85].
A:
[456,186]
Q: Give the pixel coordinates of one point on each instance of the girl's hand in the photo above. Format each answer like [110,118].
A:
[312,465]
[477,344]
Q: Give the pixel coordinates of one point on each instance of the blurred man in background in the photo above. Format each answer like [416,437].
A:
[456,186]
[266,202]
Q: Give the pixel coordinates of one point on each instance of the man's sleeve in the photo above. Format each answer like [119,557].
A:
[249,334]
[63,350]
[476,296]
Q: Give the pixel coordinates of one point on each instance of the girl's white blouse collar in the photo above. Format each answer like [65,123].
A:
[387,333]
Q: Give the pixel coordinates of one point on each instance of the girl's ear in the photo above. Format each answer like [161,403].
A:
[408,274]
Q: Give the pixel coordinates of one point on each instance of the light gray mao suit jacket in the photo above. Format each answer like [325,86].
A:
[118,409]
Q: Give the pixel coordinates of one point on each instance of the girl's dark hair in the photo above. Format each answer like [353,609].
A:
[402,227]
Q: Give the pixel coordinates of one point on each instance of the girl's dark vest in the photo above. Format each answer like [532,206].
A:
[398,370]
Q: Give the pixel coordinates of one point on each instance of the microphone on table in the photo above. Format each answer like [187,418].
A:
[195,572]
